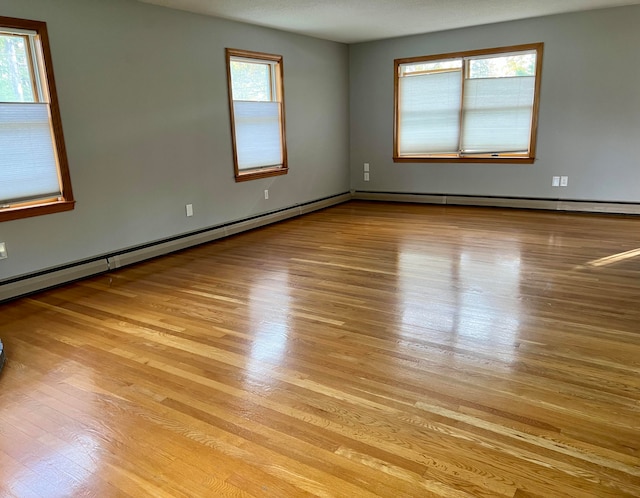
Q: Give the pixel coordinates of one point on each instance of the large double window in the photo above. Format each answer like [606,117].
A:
[479,106]
[34,177]
[256,100]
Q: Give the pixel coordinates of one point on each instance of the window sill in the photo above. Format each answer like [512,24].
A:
[19,212]
[261,173]
[494,160]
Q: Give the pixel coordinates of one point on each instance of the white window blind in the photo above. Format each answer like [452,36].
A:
[429,109]
[258,134]
[497,115]
[28,167]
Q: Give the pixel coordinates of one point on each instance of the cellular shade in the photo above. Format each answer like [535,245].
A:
[258,134]
[28,167]
[497,115]
[429,112]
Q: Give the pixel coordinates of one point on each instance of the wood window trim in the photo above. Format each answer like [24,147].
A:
[264,172]
[27,211]
[504,159]
[260,173]
[66,201]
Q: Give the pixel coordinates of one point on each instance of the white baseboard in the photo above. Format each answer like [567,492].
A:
[507,202]
[28,284]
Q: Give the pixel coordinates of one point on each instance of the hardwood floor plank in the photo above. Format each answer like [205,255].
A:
[368,349]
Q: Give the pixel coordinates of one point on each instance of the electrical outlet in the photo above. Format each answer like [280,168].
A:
[3,251]
[266,194]
[366,177]
[366,166]
[564,181]
[189,208]
[556,181]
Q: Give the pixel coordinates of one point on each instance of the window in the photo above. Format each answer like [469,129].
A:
[34,176]
[479,106]
[256,101]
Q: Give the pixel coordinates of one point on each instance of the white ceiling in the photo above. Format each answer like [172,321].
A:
[352,21]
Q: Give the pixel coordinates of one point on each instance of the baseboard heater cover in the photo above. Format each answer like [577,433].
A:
[57,276]
[506,202]
[162,248]
[232,228]
[52,278]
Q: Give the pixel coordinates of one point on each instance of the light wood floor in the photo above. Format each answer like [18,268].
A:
[366,350]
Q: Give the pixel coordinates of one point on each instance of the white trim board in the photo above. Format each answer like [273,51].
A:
[505,202]
[28,284]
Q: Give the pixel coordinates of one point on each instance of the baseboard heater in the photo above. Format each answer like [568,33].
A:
[579,206]
[53,277]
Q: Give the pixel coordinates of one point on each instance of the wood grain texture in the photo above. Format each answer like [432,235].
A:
[369,349]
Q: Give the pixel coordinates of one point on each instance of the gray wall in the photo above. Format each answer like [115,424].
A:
[143,98]
[589,125]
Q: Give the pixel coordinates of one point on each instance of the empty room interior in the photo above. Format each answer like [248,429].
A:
[305,248]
